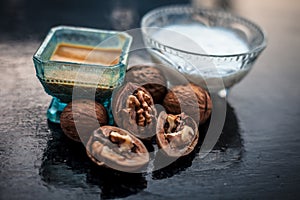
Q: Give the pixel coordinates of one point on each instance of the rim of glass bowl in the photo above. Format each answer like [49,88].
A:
[123,56]
[186,9]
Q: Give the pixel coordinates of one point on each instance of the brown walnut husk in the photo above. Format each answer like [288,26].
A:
[181,97]
[149,77]
[116,148]
[177,135]
[133,109]
[81,117]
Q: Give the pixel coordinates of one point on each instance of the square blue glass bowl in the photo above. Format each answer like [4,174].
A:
[66,80]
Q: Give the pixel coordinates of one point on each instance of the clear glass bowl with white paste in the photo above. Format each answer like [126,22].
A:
[214,49]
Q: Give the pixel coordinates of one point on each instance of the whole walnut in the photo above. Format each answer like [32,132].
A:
[195,101]
[149,77]
[81,117]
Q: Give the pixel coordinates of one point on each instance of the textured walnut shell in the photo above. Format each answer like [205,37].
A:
[183,94]
[180,141]
[106,149]
[151,78]
[128,117]
[81,117]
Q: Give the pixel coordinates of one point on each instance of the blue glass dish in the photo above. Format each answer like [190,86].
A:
[66,80]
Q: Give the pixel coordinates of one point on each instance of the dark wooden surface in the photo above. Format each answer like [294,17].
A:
[257,156]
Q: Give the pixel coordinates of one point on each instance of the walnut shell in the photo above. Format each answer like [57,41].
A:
[184,94]
[133,109]
[116,148]
[149,77]
[81,117]
[177,135]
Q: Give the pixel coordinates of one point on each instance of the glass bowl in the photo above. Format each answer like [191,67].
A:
[86,74]
[212,48]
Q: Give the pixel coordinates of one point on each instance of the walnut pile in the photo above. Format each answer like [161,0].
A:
[121,147]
